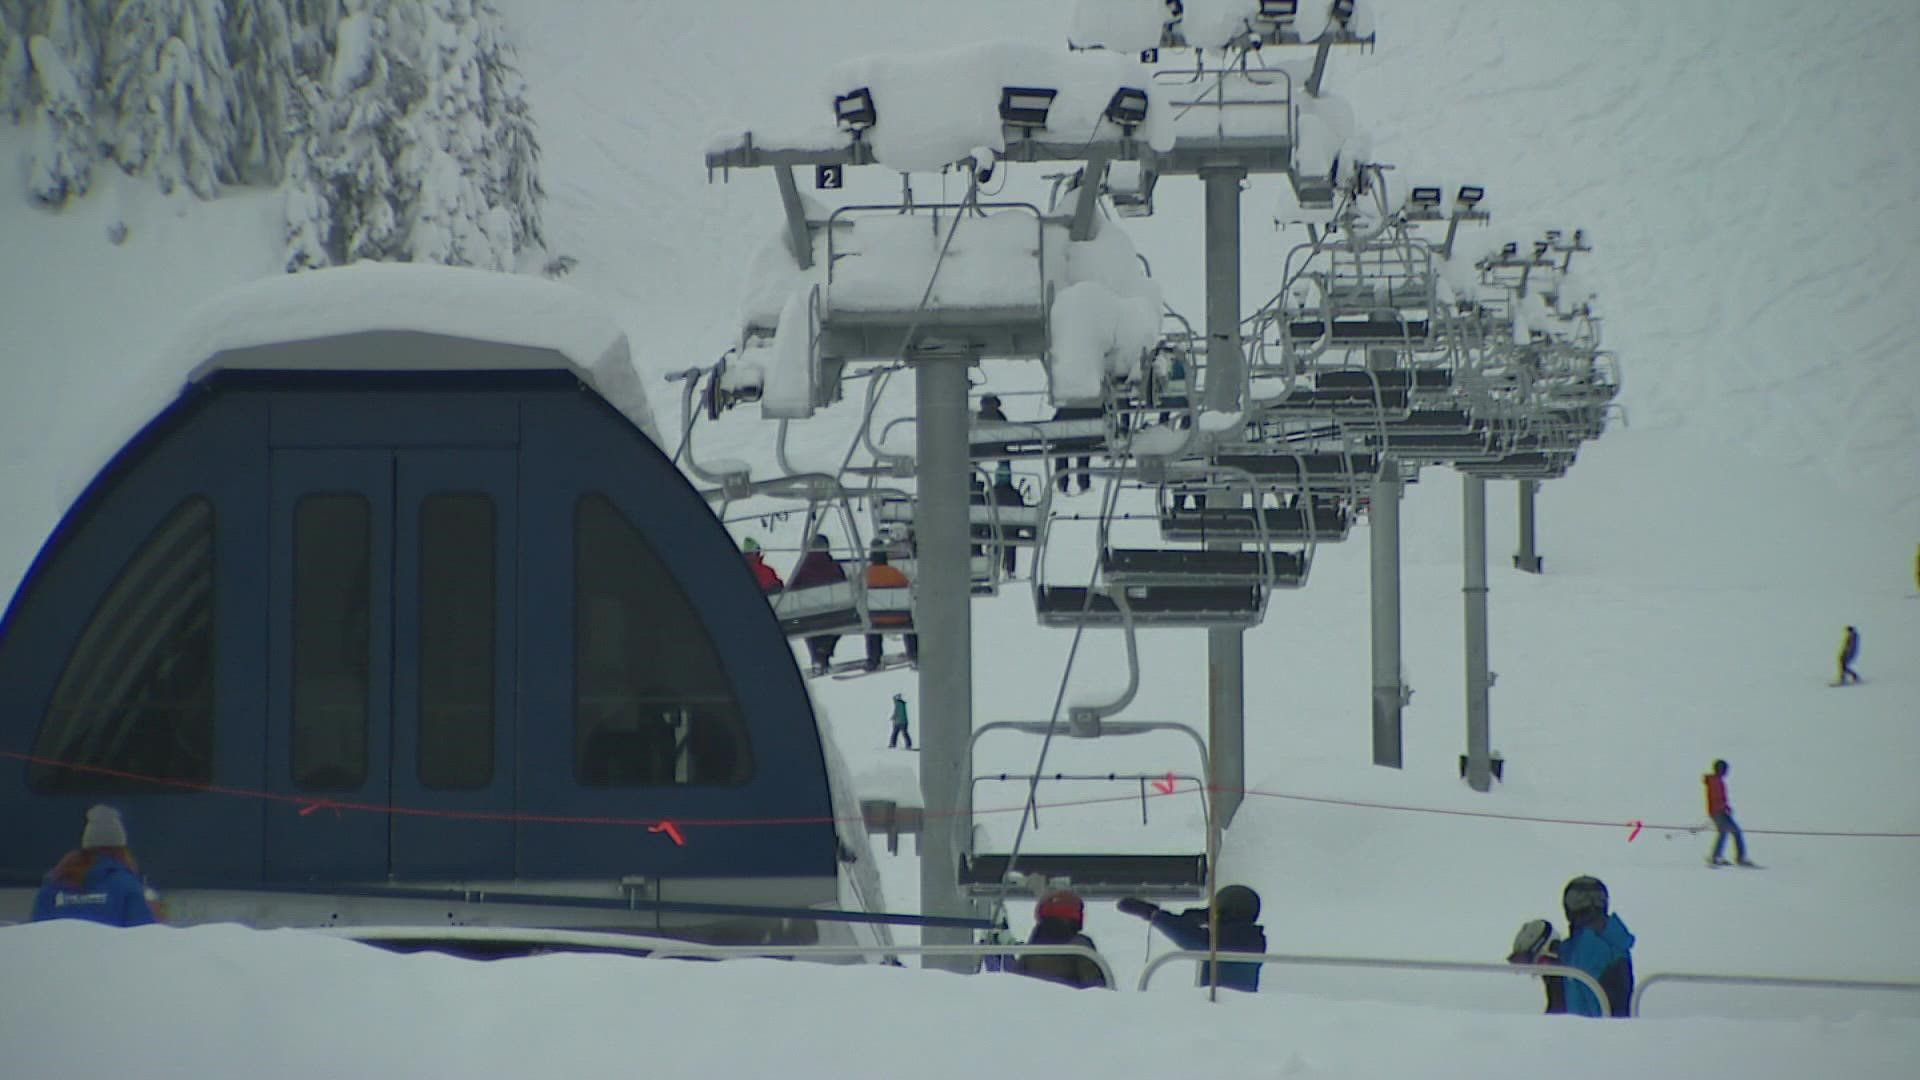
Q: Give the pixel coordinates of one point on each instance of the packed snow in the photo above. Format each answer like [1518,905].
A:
[1739,167]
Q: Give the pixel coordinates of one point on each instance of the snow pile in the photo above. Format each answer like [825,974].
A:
[934,109]
[1104,320]
[1214,24]
[886,262]
[458,303]
[295,1004]
[787,358]
[1128,26]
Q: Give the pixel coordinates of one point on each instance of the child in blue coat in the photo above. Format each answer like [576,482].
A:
[1599,944]
[1238,908]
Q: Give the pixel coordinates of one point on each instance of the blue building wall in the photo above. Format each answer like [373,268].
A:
[538,450]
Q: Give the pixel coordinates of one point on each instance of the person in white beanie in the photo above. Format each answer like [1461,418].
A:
[98,881]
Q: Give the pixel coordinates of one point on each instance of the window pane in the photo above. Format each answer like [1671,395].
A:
[136,696]
[332,646]
[651,704]
[456,640]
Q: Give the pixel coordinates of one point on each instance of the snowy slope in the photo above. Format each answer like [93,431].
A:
[1744,169]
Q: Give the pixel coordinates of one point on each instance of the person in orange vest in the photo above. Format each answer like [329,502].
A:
[880,575]
[1721,811]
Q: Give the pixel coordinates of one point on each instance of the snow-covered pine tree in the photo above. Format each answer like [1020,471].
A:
[471,149]
[260,48]
[16,76]
[63,52]
[414,143]
[514,179]
[342,199]
[170,92]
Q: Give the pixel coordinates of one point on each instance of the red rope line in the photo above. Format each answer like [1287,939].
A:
[311,804]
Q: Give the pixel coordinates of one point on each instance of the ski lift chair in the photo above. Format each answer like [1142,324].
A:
[1161,589]
[1094,875]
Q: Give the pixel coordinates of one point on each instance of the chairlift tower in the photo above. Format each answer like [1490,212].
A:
[1214,142]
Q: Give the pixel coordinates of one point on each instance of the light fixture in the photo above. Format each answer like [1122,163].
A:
[854,110]
[1426,198]
[1128,108]
[1470,195]
[1276,10]
[1026,106]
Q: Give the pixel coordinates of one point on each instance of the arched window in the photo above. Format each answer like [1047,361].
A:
[652,704]
[134,705]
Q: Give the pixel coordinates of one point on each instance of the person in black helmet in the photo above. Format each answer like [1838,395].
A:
[1239,910]
[1599,944]
[1057,920]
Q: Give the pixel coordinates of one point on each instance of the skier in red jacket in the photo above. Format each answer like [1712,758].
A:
[1721,812]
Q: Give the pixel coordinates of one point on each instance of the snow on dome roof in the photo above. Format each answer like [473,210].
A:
[447,301]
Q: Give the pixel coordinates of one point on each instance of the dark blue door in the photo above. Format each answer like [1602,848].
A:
[455,558]
[393,664]
[329,668]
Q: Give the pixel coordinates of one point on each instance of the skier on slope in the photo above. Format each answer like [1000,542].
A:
[1238,908]
[1721,811]
[1849,649]
[899,717]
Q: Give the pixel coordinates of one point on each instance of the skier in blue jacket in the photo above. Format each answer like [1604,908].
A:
[1599,944]
[1238,908]
[99,881]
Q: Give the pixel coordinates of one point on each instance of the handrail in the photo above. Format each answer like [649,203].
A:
[747,952]
[1593,984]
[1898,986]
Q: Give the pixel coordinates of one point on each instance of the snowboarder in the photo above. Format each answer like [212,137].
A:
[1721,811]
[1599,944]
[1849,648]
[899,723]
[1536,944]
[1238,908]
[98,881]
[1058,918]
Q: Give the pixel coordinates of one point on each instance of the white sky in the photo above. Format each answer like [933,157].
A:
[1701,563]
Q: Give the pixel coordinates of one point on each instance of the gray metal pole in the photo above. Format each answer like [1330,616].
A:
[1383,518]
[1474,511]
[943,617]
[1527,558]
[1226,370]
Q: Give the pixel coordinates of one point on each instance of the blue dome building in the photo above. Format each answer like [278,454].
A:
[397,612]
